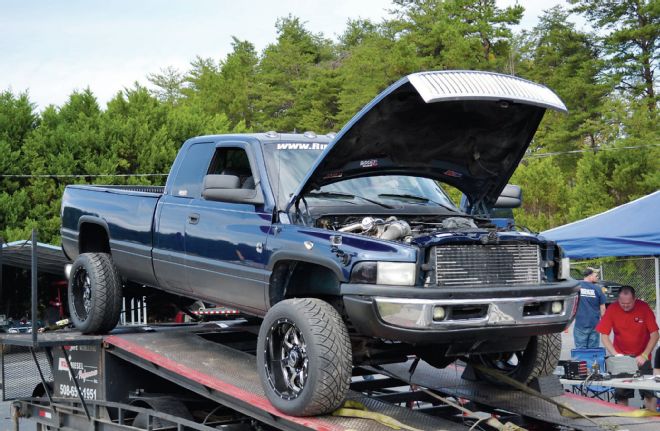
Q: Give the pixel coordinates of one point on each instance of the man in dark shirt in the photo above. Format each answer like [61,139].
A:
[590,308]
[635,334]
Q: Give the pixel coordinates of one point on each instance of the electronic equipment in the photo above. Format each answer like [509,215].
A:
[621,366]
[575,370]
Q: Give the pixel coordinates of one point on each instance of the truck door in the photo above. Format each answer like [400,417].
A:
[169,254]
[225,253]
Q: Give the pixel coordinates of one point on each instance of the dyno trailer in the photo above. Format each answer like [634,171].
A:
[180,377]
[203,377]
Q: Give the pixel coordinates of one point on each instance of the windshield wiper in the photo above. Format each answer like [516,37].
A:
[418,198]
[348,195]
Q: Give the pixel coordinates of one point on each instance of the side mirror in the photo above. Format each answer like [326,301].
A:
[511,197]
[227,188]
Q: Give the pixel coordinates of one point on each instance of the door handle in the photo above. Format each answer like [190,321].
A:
[193,218]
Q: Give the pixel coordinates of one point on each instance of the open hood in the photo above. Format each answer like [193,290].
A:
[468,129]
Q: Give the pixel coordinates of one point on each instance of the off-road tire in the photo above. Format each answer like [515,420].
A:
[539,359]
[105,284]
[548,349]
[329,356]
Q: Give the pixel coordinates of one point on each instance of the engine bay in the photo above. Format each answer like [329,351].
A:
[402,229]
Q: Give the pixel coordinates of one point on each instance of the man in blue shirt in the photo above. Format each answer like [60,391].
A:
[590,309]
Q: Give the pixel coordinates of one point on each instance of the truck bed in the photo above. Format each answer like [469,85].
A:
[122,214]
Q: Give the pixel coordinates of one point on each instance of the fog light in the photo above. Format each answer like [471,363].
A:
[439,313]
[557,307]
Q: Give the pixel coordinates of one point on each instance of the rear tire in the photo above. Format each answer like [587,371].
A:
[94,293]
[304,357]
[539,359]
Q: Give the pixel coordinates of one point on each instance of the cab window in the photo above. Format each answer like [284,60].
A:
[233,161]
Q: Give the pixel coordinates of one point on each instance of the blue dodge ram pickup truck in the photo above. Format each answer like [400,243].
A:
[346,246]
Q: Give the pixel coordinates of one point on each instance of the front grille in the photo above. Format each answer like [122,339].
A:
[485,265]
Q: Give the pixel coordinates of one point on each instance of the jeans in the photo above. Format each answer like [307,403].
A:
[586,338]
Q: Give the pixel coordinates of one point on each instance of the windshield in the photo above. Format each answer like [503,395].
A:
[287,168]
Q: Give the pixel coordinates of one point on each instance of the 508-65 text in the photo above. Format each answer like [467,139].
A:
[70,391]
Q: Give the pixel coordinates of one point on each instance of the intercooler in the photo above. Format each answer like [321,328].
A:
[512,264]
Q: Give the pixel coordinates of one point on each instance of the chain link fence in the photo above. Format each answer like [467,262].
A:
[638,272]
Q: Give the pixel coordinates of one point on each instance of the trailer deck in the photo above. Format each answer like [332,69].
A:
[216,362]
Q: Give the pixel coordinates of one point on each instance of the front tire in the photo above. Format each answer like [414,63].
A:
[94,293]
[539,359]
[304,357]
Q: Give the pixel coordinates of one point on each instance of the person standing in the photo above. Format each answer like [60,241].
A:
[635,334]
[590,309]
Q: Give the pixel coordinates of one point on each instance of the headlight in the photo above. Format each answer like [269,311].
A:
[12,331]
[390,273]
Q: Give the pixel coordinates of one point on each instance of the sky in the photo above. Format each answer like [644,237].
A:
[52,48]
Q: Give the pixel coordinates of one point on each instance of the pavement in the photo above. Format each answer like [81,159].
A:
[567,343]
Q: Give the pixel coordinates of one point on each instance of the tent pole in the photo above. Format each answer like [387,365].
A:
[657,289]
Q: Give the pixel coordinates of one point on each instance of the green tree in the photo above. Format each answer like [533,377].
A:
[283,72]
[203,85]
[237,78]
[625,169]
[66,142]
[169,84]
[567,61]
[17,121]
[544,194]
[459,34]
[372,57]
[632,41]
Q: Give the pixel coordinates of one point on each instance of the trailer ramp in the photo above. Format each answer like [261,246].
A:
[229,376]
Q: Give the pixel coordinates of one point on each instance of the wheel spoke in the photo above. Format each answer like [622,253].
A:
[301,378]
[292,380]
[296,340]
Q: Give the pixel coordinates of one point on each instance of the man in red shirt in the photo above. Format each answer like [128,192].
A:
[635,334]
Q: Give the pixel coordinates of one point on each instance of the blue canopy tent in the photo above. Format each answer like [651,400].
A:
[632,229]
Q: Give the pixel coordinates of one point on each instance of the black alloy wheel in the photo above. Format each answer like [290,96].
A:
[81,288]
[286,359]
[304,357]
[94,294]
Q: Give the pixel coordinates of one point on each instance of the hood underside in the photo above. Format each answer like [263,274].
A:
[467,129]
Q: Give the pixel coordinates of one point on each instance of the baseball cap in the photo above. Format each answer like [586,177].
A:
[589,270]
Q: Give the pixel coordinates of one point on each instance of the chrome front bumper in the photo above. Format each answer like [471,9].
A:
[498,312]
